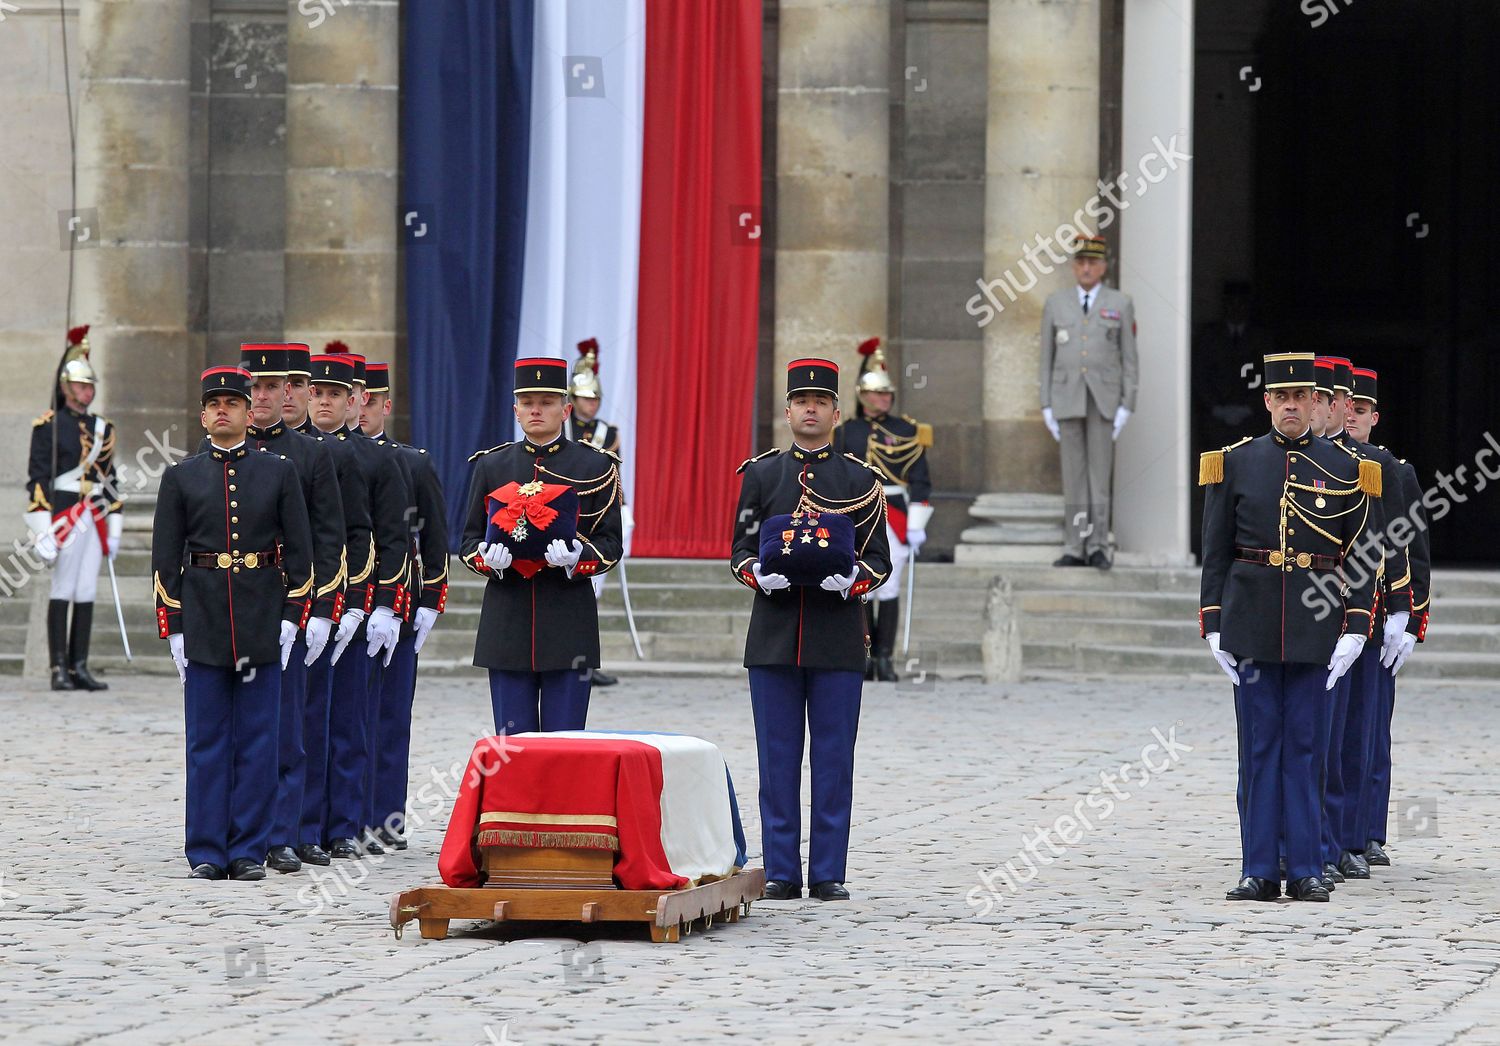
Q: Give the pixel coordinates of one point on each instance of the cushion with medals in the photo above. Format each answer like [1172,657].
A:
[807,547]
[527,517]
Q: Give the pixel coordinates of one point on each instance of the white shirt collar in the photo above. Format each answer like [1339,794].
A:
[1090,296]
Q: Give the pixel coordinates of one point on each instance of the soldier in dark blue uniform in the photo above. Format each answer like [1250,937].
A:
[231,555]
[895,446]
[807,645]
[371,620]
[1283,512]
[539,628]
[427,586]
[269,364]
[73,511]
[1407,610]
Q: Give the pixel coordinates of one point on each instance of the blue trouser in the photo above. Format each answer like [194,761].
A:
[1280,708]
[789,704]
[315,748]
[1336,791]
[348,742]
[291,769]
[525,701]
[398,686]
[1359,738]
[1379,805]
[232,741]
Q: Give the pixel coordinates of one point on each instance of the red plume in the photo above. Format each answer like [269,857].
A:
[588,345]
[868,346]
[336,348]
[77,334]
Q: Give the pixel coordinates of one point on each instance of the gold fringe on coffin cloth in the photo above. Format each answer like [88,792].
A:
[580,840]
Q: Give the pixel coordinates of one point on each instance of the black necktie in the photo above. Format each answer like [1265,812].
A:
[1086,303]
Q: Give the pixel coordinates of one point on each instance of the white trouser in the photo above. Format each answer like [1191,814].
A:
[75,575]
[891,589]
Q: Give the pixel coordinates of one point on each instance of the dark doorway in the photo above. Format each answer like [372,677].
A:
[1344,201]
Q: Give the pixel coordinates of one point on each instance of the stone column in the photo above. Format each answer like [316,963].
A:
[342,154]
[832,183]
[133,157]
[1041,165]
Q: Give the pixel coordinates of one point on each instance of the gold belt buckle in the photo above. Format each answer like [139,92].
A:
[252,560]
[1304,560]
[1276,558]
[225,561]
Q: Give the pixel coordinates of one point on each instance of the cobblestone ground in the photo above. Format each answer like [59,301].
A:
[1124,936]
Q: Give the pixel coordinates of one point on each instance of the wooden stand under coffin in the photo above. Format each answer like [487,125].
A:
[574,884]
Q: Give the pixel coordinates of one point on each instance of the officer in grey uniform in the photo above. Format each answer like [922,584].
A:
[1089,376]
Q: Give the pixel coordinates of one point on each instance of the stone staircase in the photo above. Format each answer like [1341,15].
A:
[692,619]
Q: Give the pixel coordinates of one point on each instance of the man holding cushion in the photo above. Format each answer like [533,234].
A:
[543,520]
[810,541]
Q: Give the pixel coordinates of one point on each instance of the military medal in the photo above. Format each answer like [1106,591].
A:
[1319,501]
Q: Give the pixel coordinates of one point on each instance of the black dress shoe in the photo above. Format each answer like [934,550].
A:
[1099,560]
[83,679]
[781,890]
[61,679]
[391,841]
[1375,854]
[312,853]
[206,871]
[342,847]
[245,870]
[599,678]
[1069,561]
[370,844]
[1309,888]
[829,891]
[1328,883]
[885,671]
[283,859]
[1353,865]
[1331,871]
[1253,889]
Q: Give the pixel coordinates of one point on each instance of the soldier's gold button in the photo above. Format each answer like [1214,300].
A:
[1085,370]
[809,475]
[1294,476]
[1294,457]
[234,537]
[234,504]
[234,519]
[231,472]
[233,487]
[236,570]
[1291,530]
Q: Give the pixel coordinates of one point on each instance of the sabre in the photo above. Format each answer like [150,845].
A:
[635,639]
[911,579]
[114,586]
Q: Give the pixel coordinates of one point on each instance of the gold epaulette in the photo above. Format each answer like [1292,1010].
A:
[746,463]
[862,462]
[1369,477]
[42,420]
[1211,463]
[479,454]
[601,450]
[924,434]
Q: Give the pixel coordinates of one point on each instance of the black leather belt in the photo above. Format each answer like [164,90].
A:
[1271,557]
[225,560]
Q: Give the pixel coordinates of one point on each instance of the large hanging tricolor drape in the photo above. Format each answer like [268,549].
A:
[588,168]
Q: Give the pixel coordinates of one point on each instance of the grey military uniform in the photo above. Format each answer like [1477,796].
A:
[1089,368]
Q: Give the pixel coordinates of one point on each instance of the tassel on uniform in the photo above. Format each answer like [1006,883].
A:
[1210,467]
[1369,477]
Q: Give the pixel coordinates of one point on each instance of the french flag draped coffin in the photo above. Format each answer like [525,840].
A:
[664,803]
[578,169]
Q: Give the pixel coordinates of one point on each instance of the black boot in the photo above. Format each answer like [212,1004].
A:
[869,638]
[78,648]
[885,640]
[57,644]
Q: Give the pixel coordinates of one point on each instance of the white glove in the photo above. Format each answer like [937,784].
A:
[496,557]
[1121,417]
[1345,653]
[116,524]
[1404,646]
[841,585]
[1395,628]
[1051,422]
[560,555]
[348,628]
[179,656]
[769,583]
[382,633]
[915,539]
[288,637]
[426,618]
[1226,660]
[319,629]
[43,540]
